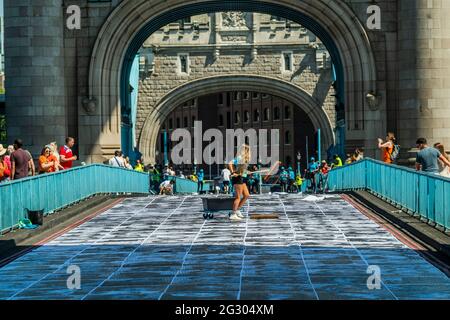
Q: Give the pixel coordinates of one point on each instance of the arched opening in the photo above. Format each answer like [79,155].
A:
[132,22]
[292,131]
[237,83]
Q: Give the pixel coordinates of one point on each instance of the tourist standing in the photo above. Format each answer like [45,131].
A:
[387,147]
[284,179]
[238,168]
[226,177]
[291,185]
[139,167]
[48,162]
[5,171]
[313,168]
[200,177]
[117,160]
[445,171]
[20,161]
[66,154]
[427,158]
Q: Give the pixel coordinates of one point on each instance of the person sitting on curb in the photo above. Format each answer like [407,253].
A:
[166,187]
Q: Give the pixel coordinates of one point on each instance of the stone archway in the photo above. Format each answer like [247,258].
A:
[133,21]
[193,89]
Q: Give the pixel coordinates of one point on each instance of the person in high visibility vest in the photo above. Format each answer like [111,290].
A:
[139,167]
[337,161]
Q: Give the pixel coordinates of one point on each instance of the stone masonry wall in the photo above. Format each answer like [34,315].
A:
[165,77]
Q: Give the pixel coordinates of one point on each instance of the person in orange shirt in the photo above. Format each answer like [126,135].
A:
[5,171]
[387,147]
[48,161]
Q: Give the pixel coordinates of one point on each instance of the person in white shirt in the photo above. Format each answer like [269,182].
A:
[166,187]
[117,160]
[226,177]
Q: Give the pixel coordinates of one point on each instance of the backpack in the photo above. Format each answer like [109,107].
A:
[395,152]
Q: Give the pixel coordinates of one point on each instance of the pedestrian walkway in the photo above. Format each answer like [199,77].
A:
[162,248]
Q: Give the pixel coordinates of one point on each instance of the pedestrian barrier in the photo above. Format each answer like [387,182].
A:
[184,186]
[54,191]
[421,194]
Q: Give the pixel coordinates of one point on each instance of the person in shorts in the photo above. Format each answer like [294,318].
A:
[238,168]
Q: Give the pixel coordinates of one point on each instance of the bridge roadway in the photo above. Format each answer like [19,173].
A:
[162,248]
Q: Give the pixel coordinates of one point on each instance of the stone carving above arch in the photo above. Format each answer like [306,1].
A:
[234,20]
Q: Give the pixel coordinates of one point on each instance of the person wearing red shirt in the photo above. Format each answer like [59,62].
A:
[66,154]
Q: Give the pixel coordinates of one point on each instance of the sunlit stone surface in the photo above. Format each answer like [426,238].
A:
[162,248]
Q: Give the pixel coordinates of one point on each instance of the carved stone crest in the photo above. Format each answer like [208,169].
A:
[89,105]
[234,19]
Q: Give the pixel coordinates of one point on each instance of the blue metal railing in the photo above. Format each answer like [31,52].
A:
[188,186]
[419,193]
[57,190]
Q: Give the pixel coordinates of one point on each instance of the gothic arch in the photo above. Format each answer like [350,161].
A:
[209,85]
[134,20]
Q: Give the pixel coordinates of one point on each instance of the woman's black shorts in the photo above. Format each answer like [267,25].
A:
[237,180]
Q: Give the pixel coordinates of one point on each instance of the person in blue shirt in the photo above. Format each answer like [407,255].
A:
[312,169]
[200,178]
[284,179]
[291,184]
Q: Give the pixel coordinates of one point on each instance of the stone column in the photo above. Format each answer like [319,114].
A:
[35,103]
[424,71]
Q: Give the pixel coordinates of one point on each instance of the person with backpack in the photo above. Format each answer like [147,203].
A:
[389,149]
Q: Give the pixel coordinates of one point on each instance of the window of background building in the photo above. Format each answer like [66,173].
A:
[266,114]
[255,95]
[228,99]
[237,117]
[265,95]
[184,63]
[246,116]
[246,95]
[287,112]
[170,124]
[228,120]
[287,62]
[276,113]
[178,123]
[185,122]
[287,137]
[220,120]
[256,115]
[220,99]
[193,121]
[237,96]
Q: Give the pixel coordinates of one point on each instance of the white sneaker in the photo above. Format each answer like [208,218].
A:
[239,214]
[235,217]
